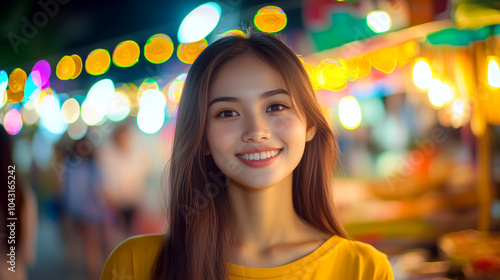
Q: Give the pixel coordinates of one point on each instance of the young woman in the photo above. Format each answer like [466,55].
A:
[250,178]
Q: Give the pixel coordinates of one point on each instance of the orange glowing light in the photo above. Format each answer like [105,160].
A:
[126,54]
[98,62]
[17,80]
[334,76]
[270,19]
[78,66]
[15,97]
[188,52]
[158,48]
[383,60]
[405,53]
[65,68]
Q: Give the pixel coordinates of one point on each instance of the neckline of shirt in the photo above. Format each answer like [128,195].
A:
[279,271]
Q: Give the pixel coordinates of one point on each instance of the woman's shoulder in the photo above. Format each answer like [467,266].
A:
[133,257]
[141,242]
[364,258]
[362,249]
[357,251]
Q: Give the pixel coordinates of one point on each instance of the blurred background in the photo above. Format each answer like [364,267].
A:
[88,98]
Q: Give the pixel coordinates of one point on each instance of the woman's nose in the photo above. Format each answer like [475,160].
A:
[257,129]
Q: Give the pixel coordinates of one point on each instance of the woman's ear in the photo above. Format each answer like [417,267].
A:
[310,133]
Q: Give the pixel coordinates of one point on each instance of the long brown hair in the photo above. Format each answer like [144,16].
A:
[199,236]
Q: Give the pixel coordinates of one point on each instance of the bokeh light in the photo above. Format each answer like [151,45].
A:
[130,91]
[47,85]
[332,76]
[493,72]
[173,90]
[78,66]
[199,23]
[188,52]
[152,99]
[4,82]
[12,122]
[378,21]
[270,19]
[29,115]
[70,110]
[49,110]
[126,54]
[43,67]
[405,53]
[98,102]
[459,112]
[77,130]
[120,107]
[360,65]
[171,110]
[439,93]
[97,62]
[384,60]
[349,112]
[422,74]
[17,81]
[66,67]
[3,99]
[150,121]
[147,84]
[33,86]
[91,115]
[158,48]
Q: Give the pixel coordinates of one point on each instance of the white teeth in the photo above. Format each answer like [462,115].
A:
[259,156]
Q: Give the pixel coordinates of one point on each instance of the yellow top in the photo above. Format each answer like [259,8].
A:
[337,258]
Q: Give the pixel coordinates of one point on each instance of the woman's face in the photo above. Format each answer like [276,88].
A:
[250,109]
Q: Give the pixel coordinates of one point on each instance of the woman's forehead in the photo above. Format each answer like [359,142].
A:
[246,72]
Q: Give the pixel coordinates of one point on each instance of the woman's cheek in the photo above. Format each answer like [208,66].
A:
[222,133]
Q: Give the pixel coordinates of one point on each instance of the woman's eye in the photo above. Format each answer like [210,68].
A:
[280,107]
[230,113]
[226,114]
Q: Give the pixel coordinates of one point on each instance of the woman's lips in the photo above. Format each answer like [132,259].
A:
[260,163]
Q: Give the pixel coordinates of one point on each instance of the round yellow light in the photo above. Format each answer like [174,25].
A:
[158,48]
[98,62]
[78,66]
[405,53]
[17,80]
[358,67]
[65,68]
[383,59]
[15,97]
[126,54]
[335,77]
[365,67]
[270,19]
[188,52]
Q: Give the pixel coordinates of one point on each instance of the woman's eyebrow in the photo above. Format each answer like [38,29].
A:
[266,94]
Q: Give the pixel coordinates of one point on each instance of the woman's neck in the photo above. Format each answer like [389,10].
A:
[265,217]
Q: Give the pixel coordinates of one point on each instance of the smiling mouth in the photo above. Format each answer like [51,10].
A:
[254,156]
